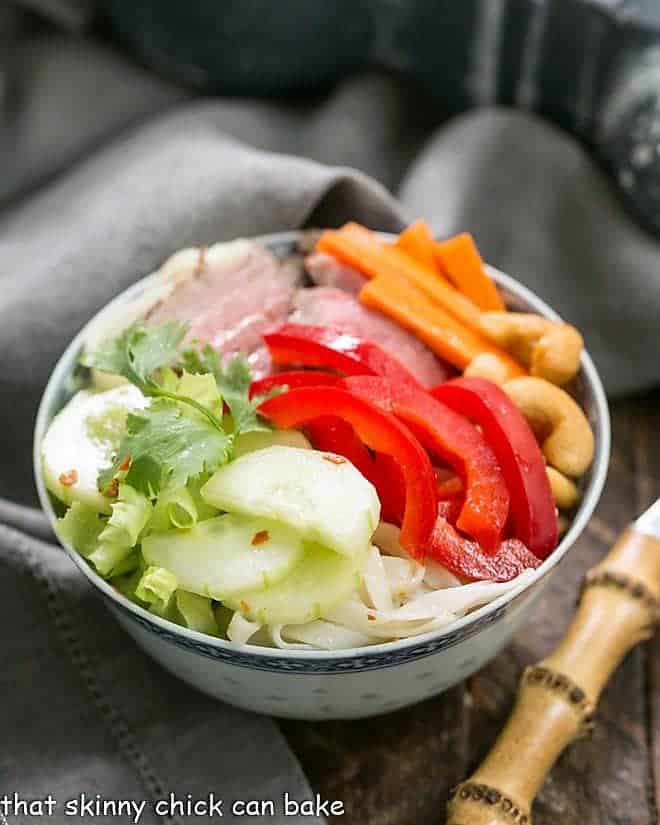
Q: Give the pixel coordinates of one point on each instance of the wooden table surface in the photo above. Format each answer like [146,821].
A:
[397,769]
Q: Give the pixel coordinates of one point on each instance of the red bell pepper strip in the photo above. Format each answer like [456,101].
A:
[456,441]
[466,559]
[391,486]
[378,431]
[532,506]
[292,380]
[332,349]
[334,435]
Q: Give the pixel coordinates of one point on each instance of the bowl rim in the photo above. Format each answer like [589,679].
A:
[602,432]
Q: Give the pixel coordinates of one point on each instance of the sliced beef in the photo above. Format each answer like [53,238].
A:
[230,295]
[325,270]
[334,307]
[235,322]
[201,277]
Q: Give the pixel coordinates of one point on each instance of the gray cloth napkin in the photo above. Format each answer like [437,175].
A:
[82,709]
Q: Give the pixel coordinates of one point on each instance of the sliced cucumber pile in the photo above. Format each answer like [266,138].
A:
[81,440]
[320,495]
[226,555]
[321,581]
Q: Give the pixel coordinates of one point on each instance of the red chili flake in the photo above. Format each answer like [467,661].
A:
[69,478]
[245,607]
[260,537]
[371,617]
[112,490]
[126,463]
[334,459]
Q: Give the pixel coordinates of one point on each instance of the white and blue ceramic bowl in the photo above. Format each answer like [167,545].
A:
[348,683]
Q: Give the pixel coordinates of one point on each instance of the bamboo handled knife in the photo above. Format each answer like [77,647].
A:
[619,606]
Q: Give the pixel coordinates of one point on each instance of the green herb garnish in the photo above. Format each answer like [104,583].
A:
[138,355]
[166,448]
[178,436]
[234,384]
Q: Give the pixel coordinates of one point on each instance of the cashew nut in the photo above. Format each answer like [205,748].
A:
[488,365]
[564,491]
[557,421]
[551,349]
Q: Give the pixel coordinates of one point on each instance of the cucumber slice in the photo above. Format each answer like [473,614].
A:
[321,495]
[322,580]
[251,442]
[81,440]
[226,555]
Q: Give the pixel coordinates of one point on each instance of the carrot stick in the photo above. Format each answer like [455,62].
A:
[459,259]
[440,331]
[362,250]
[417,241]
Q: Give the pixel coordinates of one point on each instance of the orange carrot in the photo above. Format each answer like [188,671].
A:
[417,241]
[440,331]
[362,249]
[459,259]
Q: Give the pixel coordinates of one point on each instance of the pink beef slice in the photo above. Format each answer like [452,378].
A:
[333,307]
[231,300]
[325,270]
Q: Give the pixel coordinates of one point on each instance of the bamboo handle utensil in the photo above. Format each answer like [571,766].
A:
[619,606]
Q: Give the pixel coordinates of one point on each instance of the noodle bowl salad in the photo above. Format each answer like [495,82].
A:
[346,447]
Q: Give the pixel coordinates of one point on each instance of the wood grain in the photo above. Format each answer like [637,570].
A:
[397,770]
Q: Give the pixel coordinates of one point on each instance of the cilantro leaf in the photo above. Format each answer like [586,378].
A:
[233,381]
[155,347]
[138,352]
[200,361]
[112,356]
[166,447]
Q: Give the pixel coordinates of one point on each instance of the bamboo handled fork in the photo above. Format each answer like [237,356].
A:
[618,608]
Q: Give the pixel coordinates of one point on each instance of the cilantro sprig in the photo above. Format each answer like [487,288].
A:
[139,353]
[176,437]
[166,448]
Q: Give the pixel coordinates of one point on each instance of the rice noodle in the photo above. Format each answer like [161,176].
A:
[404,576]
[386,624]
[376,584]
[458,600]
[240,630]
[323,635]
[438,577]
[275,632]
[426,610]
